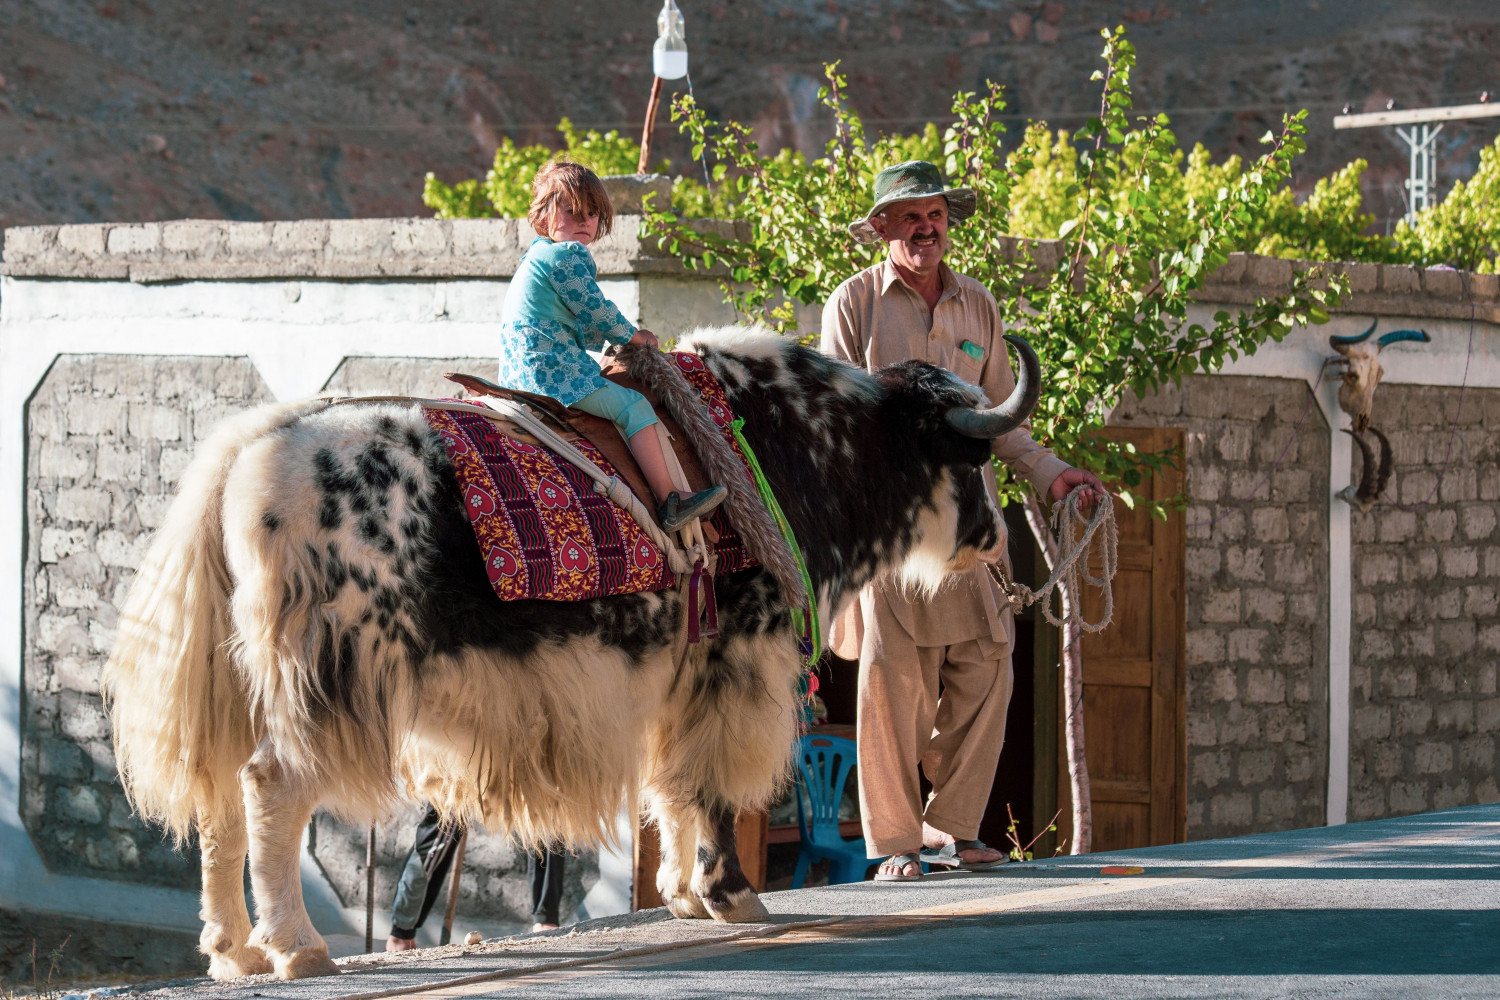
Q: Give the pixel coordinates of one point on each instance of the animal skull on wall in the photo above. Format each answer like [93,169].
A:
[1361,375]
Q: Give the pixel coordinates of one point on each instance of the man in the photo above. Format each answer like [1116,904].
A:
[427,868]
[913,306]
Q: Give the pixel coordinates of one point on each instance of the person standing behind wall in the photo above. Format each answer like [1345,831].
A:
[427,869]
[913,306]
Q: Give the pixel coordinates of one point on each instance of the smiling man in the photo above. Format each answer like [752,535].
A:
[934,676]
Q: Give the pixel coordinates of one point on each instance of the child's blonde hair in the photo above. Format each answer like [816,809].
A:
[563,182]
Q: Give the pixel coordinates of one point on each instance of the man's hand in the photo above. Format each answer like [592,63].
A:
[1070,478]
[645,336]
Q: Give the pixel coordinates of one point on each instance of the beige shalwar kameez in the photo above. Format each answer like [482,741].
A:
[962,638]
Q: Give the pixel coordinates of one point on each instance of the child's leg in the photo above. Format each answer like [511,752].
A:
[636,420]
[631,413]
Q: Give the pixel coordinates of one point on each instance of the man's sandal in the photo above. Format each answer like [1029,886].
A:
[947,856]
[899,863]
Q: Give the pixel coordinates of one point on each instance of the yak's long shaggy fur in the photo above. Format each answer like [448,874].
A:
[751,519]
[313,626]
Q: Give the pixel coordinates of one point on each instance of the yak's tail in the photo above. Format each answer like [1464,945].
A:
[182,724]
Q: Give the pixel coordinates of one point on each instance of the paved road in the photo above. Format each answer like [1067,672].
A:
[1402,908]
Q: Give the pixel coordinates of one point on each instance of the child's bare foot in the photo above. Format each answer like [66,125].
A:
[394,943]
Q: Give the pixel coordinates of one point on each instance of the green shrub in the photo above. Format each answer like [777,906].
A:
[1330,224]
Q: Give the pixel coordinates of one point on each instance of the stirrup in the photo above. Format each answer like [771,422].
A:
[677,510]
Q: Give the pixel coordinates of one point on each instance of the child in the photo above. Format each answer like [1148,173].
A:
[554,311]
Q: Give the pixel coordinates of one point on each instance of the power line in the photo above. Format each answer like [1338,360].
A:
[148,126]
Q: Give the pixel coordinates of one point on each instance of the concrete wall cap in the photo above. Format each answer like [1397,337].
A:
[378,249]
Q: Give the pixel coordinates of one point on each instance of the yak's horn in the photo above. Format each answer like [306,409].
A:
[1395,336]
[1387,460]
[1364,493]
[1013,412]
[1358,338]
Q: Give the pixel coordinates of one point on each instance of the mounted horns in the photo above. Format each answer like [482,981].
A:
[1342,344]
[1397,336]
[1013,412]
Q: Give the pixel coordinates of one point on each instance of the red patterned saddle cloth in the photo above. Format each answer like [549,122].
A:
[543,531]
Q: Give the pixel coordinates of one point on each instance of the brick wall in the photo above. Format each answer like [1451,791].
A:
[109,438]
[1426,607]
[1257,605]
[109,435]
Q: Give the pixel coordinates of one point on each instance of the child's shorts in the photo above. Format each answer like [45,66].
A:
[627,408]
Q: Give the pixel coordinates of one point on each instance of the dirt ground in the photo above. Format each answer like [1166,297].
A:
[131,110]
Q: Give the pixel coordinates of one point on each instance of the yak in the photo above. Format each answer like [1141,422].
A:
[313,626]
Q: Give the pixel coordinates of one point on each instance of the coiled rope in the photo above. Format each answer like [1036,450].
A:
[1074,553]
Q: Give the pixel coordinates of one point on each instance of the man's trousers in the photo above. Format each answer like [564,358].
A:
[956,736]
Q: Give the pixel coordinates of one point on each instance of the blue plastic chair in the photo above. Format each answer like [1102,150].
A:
[823,764]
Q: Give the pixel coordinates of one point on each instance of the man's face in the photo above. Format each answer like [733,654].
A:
[916,231]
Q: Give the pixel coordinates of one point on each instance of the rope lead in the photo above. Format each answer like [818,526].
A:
[1074,553]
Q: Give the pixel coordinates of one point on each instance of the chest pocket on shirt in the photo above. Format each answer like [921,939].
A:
[963,364]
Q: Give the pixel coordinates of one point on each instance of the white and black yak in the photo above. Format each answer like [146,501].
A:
[313,626]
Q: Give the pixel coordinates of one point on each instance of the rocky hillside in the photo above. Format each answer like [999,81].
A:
[264,109]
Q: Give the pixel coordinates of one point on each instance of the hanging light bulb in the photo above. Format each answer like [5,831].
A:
[669,56]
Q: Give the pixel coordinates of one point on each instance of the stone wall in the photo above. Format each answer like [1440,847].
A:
[1424,712]
[109,436]
[1257,599]
[100,439]
[95,949]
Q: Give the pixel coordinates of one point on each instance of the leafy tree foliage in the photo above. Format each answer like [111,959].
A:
[1463,230]
[1106,305]
[505,190]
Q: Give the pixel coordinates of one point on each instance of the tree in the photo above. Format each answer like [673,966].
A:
[1105,305]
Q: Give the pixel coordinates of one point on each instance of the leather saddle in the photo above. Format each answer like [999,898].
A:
[598,431]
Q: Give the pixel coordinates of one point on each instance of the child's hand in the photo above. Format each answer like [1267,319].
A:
[644,336]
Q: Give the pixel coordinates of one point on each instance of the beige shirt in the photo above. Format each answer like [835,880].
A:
[875,319]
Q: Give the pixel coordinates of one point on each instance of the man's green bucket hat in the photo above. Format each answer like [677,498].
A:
[905,181]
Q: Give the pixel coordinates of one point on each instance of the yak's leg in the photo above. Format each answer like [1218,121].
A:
[677,829]
[222,842]
[717,877]
[278,813]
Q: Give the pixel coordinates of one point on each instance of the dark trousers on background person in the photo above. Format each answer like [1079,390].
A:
[545,872]
[427,869]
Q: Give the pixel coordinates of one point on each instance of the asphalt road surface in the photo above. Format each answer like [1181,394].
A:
[1404,908]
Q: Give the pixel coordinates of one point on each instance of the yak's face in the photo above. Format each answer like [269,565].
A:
[957,524]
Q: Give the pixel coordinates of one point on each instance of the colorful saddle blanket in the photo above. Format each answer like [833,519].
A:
[543,531]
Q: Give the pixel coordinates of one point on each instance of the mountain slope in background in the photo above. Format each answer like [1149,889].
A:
[133,110]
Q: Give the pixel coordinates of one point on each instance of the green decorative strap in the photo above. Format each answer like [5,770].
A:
[808,625]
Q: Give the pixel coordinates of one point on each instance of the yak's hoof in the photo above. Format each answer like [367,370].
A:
[743,907]
[687,907]
[305,963]
[246,961]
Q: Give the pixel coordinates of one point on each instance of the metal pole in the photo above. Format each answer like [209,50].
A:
[1422,170]
[458,870]
[370,892]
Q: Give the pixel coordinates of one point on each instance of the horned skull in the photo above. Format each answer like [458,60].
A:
[1362,373]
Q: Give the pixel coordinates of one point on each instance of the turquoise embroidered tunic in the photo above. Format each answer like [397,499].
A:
[553,313]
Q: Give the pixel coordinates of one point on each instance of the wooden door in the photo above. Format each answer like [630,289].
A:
[1133,678]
